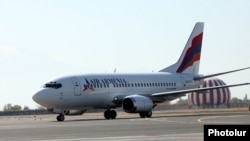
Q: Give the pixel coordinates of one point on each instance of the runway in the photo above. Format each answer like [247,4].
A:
[127,127]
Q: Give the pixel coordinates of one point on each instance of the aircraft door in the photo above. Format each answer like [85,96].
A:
[77,86]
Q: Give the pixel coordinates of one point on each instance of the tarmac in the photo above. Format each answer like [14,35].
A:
[178,125]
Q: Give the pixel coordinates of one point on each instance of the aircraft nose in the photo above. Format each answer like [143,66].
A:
[38,97]
[41,97]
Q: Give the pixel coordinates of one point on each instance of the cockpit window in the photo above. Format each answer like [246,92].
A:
[54,85]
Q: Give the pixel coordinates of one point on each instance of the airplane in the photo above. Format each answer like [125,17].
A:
[133,92]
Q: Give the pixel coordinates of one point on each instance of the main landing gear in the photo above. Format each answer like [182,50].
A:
[145,114]
[60,117]
[110,114]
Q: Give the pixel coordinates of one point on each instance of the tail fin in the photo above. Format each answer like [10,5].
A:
[190,58]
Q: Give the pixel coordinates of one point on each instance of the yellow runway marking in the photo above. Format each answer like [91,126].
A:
[202,120]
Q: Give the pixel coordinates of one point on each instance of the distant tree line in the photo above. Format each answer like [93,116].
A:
[9,107]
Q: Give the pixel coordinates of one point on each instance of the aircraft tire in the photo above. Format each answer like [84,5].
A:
[149,114]
[142,114]
[107,114]
[110,114]
[145,114]
[113,114]
[60,117]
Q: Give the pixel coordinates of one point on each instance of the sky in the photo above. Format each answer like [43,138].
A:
[45,39]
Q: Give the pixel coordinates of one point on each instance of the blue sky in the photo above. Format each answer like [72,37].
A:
[45,39]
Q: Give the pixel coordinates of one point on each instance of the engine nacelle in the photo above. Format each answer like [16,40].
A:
[74,112]
[137,103]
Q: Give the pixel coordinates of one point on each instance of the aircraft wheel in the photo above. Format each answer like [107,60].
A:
[110,114]
[142,114]
[113,114]
[107,114]
[60,117]
[149,114]
[145,114]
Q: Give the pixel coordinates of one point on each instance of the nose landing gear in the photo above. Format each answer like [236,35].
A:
[60,117]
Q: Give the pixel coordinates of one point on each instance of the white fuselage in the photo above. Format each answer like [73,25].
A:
[100,90]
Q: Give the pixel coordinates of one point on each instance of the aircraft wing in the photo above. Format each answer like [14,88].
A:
[212,75]
[172,93]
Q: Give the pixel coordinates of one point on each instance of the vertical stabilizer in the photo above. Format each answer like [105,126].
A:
[190,58]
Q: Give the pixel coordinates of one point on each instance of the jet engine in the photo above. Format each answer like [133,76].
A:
[74,112]
[137,104]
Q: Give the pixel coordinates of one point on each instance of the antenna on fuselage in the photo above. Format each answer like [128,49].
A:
[115,70]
